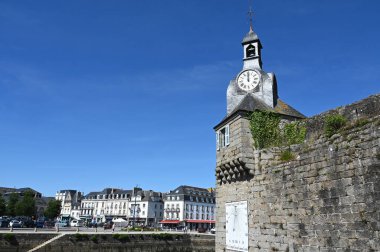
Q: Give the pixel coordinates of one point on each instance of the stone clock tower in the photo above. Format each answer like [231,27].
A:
[236,162]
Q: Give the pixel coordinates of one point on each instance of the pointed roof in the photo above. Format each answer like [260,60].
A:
[250,36]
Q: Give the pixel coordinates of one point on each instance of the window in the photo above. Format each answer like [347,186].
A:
[223,137]
[177,197]
[143,205]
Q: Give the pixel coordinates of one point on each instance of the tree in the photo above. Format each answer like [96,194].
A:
[53,209]
[13,199]
[3,206]
[27,205]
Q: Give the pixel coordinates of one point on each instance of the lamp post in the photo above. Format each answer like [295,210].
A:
[134,208]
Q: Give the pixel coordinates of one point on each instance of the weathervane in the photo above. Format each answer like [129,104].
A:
[250,14]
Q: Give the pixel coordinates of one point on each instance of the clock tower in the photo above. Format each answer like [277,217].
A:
[236,159]
[252,80]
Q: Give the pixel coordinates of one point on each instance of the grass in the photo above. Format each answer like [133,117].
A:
[286,156]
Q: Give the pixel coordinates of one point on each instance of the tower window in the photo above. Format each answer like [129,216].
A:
[223,137]
[250,51]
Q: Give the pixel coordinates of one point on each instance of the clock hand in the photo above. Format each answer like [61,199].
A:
[248,76]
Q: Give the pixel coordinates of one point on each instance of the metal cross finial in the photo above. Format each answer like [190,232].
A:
[250,14]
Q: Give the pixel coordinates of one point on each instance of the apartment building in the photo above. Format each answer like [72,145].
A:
[70,203]
[136,206]
[189,206]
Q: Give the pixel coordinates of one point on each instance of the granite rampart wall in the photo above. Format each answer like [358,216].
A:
[326,199]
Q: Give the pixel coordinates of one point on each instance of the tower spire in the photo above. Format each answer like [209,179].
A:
[250,15]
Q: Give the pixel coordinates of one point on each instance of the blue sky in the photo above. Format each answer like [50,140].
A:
[115,93]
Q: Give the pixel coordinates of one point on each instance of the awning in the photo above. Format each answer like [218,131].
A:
[200,221]
[169,221]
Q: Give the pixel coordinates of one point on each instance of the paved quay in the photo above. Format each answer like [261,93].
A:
[84,230]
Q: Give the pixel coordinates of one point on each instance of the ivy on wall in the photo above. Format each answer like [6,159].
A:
[266,130]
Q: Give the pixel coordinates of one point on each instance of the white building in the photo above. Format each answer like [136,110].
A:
[190,206]
[135,206]
[70,203]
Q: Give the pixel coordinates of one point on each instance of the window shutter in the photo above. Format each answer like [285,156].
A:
[217,140]
[227,135]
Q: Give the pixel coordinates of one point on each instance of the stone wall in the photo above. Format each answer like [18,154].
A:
[327,199]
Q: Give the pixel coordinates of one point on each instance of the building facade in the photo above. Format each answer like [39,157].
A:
[189,206]
[70,203]
[136,207]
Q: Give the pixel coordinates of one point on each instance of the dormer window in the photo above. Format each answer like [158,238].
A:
[223,137]
[250,51]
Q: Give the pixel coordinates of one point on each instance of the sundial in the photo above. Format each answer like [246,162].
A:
[237,226]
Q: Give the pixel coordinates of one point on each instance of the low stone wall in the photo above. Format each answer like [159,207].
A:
[22,242]
[326,199]
[111,243]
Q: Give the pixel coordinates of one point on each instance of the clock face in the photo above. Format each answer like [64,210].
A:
[248,80]
[237,226]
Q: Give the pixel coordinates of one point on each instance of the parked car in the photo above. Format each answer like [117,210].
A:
[92,225]
[15,224]
[180,228]
[4,223]
[201,230]
[39,224]
[29,224]
[61,224]
[212,231]
[76,223]
[49,224]
[107,225]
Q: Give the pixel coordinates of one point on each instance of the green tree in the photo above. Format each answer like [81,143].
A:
[27,205]
[3,206]
[11,207]
[53,209]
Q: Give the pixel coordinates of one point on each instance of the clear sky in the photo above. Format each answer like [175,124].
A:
[115,93]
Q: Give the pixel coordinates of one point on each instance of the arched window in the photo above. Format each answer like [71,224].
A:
[250,51]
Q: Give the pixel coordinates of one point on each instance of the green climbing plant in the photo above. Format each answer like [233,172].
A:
[294,133]
[266,130]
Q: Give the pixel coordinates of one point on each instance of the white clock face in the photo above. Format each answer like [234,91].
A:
[248,80]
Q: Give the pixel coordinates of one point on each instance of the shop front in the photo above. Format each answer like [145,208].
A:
[200,225]
[169,224]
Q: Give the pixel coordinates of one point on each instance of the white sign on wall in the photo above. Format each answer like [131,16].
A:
[237,226]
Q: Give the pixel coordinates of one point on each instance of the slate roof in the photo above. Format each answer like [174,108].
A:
[109,191]
[251,103]
[184,189]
